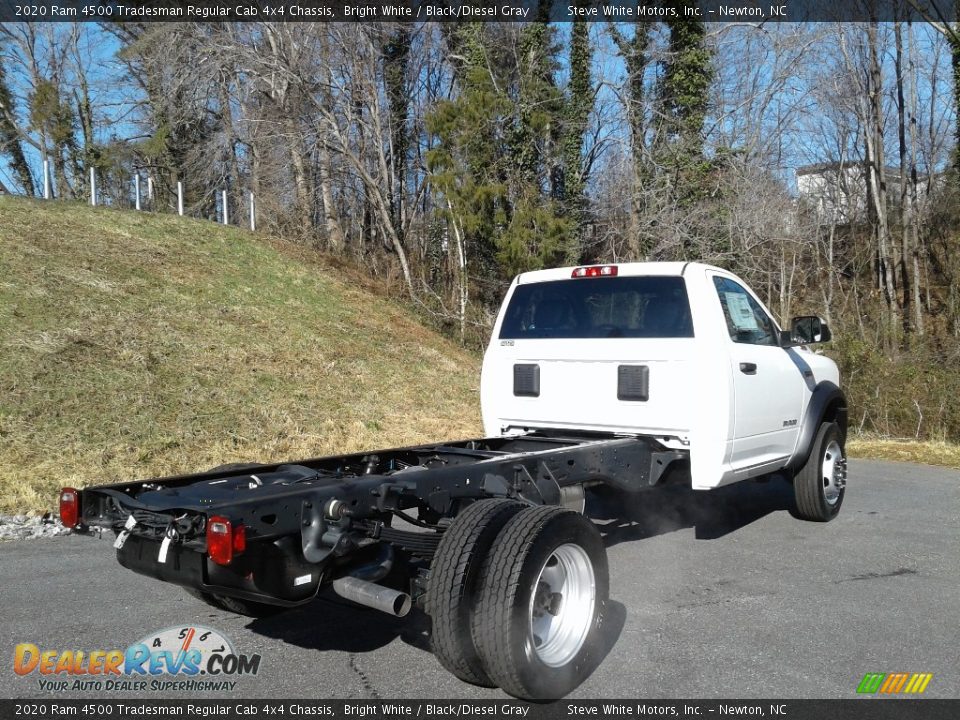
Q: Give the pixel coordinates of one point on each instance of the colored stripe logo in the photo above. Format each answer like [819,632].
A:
[894,683]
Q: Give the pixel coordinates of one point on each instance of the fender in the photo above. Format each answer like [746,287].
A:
[827,401]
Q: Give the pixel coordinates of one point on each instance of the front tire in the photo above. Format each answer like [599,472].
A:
[544,590]
[819,486]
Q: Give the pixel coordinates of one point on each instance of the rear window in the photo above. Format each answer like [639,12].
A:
[617,307]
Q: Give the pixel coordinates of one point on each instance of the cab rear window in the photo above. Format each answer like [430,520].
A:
[615,307]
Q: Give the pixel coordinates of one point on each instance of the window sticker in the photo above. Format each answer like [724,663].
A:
[738,306]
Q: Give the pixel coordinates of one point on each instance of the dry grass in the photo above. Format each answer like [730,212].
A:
[927,452]
[135,345]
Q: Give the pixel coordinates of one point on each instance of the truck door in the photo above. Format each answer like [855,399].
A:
[768,386]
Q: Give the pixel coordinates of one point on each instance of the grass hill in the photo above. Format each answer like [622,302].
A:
[134,345]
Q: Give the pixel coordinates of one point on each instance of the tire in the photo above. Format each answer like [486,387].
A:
[234,605]
[543,593]
[819,486]
[454,577]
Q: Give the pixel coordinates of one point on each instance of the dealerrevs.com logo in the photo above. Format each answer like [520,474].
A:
[190,658]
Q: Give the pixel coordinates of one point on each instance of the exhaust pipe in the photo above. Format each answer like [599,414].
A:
[378,597]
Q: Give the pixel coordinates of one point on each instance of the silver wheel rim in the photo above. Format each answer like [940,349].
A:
[561,606]
[833,473]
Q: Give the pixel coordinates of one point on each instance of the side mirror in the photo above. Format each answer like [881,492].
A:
[807,330]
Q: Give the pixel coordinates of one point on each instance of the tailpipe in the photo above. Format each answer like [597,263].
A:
[378,597]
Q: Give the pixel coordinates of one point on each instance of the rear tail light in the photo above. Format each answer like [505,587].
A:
[70,507]
[594,271]
[224,540]
[239,539]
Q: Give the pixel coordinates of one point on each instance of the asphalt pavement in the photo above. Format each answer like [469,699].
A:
[716,595]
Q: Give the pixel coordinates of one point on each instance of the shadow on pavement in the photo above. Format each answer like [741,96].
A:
[614,620]
[624,517]
[329,623]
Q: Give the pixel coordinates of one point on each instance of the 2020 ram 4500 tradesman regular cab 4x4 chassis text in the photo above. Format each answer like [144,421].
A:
[629,376]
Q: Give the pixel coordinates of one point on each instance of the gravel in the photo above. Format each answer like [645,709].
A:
[25,527]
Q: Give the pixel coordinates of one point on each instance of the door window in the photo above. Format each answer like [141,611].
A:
[746,321]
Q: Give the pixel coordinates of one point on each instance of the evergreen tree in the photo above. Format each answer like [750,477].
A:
[499,148]
[396,60]
[466,163]
[684,92]
[54,120]
[10,138]
[579,103]
[634,50]
[538,232]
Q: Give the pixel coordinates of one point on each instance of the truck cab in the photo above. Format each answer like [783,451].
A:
[684,353]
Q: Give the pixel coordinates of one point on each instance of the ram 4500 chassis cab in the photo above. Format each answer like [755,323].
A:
[633,376]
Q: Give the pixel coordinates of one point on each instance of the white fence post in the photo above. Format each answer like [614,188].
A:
[93,188]
[179,198]
[150,191]
[253,214]
[46,179]
[136,190]
[223,206]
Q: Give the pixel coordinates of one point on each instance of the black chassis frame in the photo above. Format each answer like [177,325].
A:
[313,520]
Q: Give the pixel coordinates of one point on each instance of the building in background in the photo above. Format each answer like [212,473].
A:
[837,192]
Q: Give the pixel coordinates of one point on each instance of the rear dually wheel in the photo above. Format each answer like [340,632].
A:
[543,593]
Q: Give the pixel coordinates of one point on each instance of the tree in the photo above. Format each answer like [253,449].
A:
[538,232]
[684,98]
[396,64]
[634,50]
[466,163]
[909,226]
[10,144]
[578,104]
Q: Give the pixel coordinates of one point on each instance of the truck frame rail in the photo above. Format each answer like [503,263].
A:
[310,521]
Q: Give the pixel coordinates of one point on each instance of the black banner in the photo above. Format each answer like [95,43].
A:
[720,11]
[854,709]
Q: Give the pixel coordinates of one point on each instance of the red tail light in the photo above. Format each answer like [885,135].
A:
[594,271]
[239,539]
[70,507]
[224,540]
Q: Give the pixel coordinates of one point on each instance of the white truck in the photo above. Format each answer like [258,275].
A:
[635,376]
